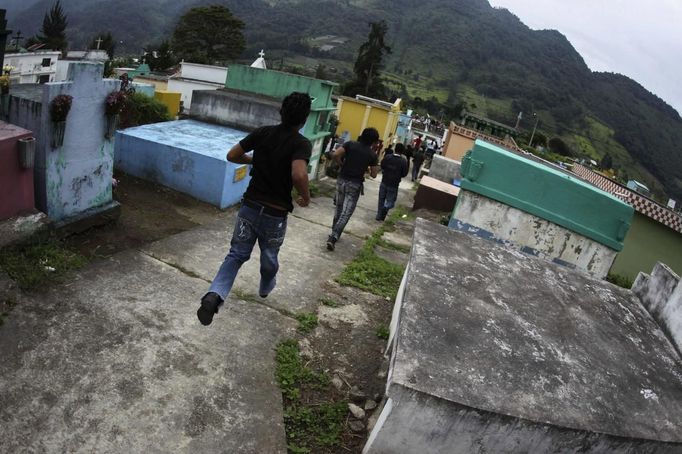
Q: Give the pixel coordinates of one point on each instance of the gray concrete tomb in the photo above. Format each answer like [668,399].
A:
[493,350]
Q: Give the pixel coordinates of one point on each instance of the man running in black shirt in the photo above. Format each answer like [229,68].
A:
[354,158]
[280,162]
[393,169]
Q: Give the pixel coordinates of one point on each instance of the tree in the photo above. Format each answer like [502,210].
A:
[53,34]
[606,162]
[160,57]
[320,72]
[558,146]
[107,43]
[368,64]
[208,35]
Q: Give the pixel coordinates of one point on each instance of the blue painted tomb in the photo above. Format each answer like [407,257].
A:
[186,155]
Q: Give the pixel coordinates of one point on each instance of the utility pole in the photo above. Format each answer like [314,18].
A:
[530,143]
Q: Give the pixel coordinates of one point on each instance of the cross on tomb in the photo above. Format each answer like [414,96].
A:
[261,54]
[98,41]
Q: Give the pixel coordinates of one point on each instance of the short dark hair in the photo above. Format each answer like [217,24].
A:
[295,109]
[369,136]
[399,148]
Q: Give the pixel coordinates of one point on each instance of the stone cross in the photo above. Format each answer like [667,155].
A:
[98,41]
[261,54]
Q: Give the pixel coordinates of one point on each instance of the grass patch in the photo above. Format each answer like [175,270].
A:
[307,322]
[383,332]
[620,280]
[370,272]
[329,302]
[36,264]
[309,426]
[393,246]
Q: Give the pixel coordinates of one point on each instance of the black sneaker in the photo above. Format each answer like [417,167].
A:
[331,244]
[209,307]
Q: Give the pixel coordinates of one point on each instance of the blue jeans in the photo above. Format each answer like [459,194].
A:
[416,165]
[387,198]
[252,225]
[347,195]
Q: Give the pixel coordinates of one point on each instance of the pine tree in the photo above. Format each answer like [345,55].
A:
[368,65]
[53,33]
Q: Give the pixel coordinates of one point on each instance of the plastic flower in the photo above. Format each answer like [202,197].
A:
[60,107]
[114,102]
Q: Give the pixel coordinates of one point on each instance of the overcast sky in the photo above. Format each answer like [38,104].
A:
[642,40]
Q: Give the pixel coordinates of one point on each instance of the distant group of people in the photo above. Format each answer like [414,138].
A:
[427,123]
[279,157]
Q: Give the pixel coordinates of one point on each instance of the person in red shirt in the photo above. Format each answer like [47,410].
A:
[417,142]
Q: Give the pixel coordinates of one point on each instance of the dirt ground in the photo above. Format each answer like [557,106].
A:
[149,212]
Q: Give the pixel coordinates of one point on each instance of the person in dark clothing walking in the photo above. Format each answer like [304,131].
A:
[393,169]
[417,162]
[355,158]
[280,162]
[409,152]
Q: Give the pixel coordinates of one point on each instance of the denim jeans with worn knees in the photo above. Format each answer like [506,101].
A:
[252,225]
[347,195]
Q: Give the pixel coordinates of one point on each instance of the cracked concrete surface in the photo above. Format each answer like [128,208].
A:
[114,359]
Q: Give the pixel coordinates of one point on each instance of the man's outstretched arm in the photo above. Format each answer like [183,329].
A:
[238,155]
[299,176]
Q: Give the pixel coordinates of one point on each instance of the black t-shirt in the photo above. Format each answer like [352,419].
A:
[393,169]
[274,148]
[356,160]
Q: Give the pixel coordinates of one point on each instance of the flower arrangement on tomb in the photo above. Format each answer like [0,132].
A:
[60,107]
[114,103]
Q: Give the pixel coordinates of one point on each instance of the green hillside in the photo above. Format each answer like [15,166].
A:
[445,52]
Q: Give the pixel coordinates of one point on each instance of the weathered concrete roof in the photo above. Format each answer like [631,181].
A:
[196,136]
[497,330]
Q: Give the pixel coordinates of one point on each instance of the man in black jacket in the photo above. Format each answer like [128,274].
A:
[280,162]
[393,168]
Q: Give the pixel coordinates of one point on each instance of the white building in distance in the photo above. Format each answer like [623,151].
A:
[194,76]
[36,67]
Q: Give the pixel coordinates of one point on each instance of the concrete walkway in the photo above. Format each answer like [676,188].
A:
[115,360]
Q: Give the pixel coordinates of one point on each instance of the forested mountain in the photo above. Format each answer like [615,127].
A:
[445,52]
